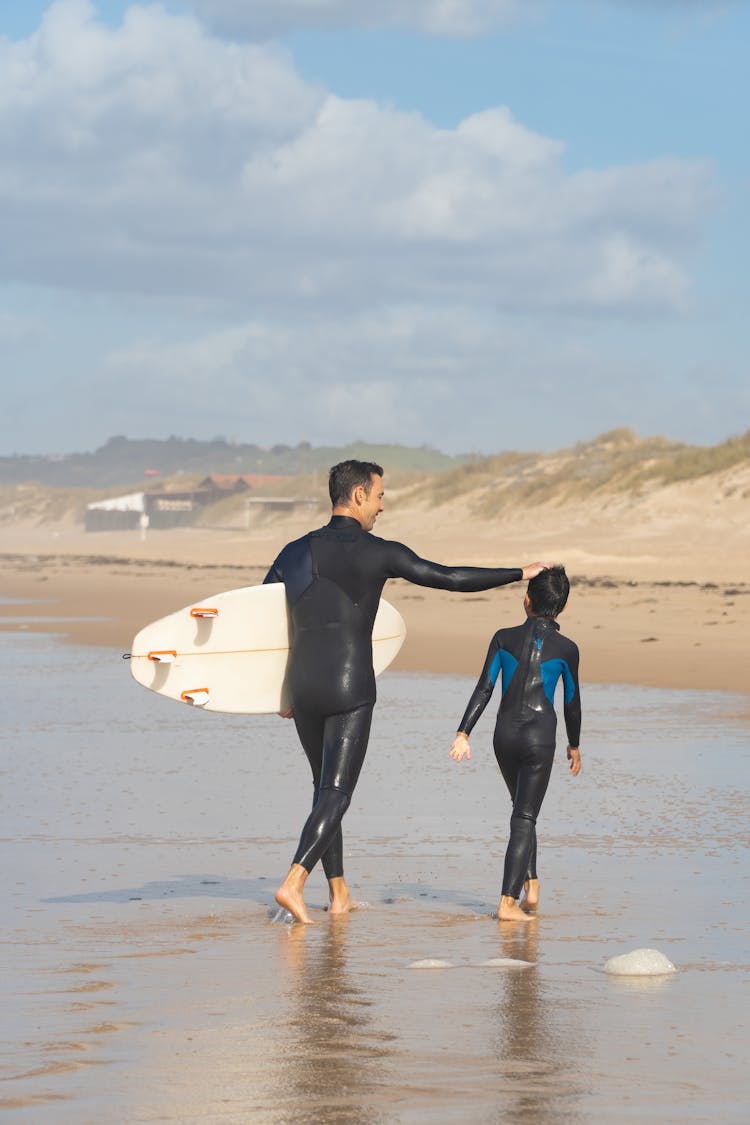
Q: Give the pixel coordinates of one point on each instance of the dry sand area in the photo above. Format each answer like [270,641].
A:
[661,576]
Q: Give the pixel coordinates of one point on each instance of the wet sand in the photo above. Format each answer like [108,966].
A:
[149,975]
[150,978]
[673,620]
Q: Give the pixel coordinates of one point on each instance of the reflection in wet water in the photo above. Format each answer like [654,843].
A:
[531,1043]
[338,1061]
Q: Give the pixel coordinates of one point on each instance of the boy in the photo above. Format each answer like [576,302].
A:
[532,658]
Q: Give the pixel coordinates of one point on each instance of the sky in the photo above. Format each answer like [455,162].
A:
[478,225]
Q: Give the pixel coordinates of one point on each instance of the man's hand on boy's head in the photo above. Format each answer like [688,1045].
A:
[460,748]
[574,757]
[531,571]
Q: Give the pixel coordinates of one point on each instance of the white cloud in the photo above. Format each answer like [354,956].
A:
[457,378]
[262,18]
[19,331]
[386,371]
[155,158]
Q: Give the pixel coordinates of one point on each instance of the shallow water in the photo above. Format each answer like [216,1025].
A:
[146,981]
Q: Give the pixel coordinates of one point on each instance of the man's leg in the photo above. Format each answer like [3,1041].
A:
[311,732]
[344,746]
[350,733]
[531,882]
[345,739]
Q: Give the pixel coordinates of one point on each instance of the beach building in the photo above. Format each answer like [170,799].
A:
[167,508]
[150,509]
[225,484]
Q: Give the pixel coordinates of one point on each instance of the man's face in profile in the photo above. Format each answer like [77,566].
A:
[372,506]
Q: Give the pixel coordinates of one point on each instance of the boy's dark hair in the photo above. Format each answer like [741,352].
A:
[348,475]
[548,592]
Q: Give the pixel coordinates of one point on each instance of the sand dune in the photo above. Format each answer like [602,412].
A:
[661,568]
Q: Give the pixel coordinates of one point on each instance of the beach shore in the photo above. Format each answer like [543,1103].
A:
[661,613]
[151,977]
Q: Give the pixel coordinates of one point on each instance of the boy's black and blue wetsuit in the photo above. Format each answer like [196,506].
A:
[334,578]
[530,659]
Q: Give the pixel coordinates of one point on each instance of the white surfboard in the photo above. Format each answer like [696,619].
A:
[229,652]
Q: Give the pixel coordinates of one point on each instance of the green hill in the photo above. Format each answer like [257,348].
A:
[126,463]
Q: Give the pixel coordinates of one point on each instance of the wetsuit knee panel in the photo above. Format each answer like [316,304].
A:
[341,798]
[524,816]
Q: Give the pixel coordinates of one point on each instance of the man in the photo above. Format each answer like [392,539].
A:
[334,578]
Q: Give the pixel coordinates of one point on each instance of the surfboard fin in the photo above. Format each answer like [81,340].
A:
[197,696]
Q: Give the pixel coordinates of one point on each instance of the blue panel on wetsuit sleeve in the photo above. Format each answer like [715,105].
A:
[551,672]
[297,567]
[495,667]
[568,681]
[509,665]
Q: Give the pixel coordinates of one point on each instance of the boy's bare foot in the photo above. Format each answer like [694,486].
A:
[509,911]
[531,899]
[341,902]
[289,894]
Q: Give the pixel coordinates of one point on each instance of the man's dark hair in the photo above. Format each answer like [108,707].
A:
[348,475]
[548,592]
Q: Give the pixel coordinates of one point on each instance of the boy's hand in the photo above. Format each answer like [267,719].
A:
[574,757]
[460,748]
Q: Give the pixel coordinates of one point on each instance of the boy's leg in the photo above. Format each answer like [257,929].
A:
[508,759]
[533,779]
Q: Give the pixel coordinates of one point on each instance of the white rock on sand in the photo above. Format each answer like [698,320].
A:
[639,963]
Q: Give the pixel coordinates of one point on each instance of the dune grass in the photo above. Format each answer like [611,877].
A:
[615,464]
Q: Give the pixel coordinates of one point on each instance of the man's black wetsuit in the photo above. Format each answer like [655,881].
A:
[532,657]
[334,578]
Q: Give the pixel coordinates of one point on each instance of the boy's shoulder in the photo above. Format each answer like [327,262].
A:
[509,631]
[567,641]
[509,637]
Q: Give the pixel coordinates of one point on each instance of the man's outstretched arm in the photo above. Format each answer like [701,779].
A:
[405,563]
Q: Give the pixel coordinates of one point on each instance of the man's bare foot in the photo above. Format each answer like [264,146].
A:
[531,898]
[339,905]
[509,911]
[343,907]
[289,894]
[341,902]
